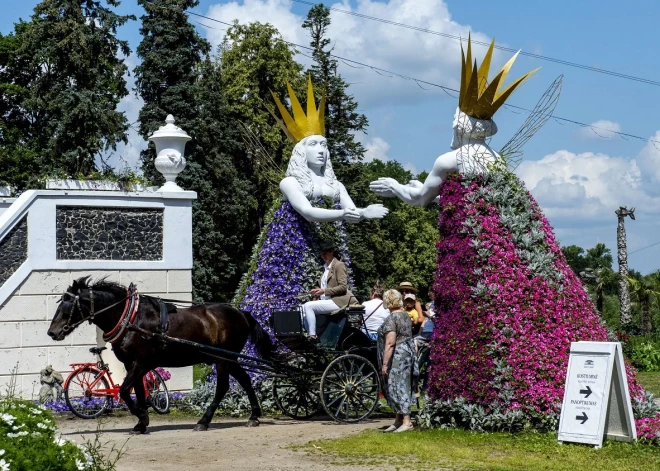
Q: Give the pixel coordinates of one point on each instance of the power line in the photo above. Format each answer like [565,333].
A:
[503,48]
[447,90]
[644,248]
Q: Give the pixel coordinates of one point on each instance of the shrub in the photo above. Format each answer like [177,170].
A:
[235,403]
[29,441]
[645,354]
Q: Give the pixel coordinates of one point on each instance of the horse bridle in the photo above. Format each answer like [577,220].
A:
[68,326]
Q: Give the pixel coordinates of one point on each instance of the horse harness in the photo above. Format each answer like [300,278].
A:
[132,301]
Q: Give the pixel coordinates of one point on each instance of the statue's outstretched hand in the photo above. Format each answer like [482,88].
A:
[351,215]
[384,187]
[375,211]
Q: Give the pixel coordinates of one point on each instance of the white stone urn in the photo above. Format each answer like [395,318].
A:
[170,141]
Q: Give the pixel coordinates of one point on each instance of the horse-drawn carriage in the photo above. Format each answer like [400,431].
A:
[337,373]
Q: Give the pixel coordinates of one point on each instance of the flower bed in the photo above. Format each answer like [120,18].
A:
[509,305]
[29,441]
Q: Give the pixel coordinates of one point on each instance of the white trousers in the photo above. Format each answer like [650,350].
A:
[312,308]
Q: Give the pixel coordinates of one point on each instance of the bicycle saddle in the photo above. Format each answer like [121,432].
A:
[97,350]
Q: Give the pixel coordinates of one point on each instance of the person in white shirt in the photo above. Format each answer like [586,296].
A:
[374,312]
[333,292]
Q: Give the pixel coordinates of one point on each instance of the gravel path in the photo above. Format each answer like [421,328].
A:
[227,445]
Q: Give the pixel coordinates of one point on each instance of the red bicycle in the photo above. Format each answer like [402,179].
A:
[89,390]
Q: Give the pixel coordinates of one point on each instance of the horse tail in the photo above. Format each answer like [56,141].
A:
[260,337]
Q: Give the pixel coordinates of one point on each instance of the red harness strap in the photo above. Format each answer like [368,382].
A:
[127,317]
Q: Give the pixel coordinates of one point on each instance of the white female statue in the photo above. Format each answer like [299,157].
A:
[309,175]
[286,262]
[478,102]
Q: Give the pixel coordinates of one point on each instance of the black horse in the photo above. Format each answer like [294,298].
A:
[112,307]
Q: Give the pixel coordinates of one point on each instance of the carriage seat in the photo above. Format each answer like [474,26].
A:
[97,350]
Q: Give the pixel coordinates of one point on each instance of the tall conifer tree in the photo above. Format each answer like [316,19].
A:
[177,77]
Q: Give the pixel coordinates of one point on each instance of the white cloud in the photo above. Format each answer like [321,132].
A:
[411,168]
[376,149]
[580,192]
[435,59]
[128,154]
[601,129]
[587,186]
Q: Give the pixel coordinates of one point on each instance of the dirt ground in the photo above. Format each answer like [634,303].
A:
[227,445]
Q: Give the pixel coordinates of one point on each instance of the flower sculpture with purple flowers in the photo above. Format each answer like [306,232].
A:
[285,263]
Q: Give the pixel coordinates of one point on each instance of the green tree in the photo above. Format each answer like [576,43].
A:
[177,77]
[645,292]
[255,60]
[599,257]
[71,101]
[342,119]
[575,258]
[19,164]
[172,53]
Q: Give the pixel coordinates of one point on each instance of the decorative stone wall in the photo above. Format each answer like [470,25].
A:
[109,233]
[13,250]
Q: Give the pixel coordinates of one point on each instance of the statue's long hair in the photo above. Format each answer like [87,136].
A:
[299,170]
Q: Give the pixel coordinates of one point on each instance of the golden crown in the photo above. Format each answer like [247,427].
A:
[300,125]
[478,98]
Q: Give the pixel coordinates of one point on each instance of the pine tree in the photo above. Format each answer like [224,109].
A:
[69,53]
[177,77]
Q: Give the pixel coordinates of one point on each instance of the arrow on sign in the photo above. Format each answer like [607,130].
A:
[582,417]
[587,392]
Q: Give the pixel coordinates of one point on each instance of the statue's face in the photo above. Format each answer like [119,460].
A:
[316,150]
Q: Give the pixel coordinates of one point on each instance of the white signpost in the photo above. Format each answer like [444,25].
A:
[596,397]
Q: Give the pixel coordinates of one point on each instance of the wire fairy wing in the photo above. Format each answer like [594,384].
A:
[512,152]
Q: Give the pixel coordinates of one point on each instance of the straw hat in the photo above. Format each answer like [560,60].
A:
[408,286]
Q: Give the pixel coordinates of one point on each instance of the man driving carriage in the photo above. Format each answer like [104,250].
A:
[333,290]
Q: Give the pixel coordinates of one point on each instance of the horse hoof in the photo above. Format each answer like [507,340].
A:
[138,431]
[200,428]
[252,423]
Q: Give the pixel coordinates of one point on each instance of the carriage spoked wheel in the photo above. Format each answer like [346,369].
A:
[350,388]
[297,396]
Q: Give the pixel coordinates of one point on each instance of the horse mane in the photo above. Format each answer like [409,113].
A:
[101,287]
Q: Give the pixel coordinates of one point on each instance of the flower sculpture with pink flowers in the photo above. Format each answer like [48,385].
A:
[508,305]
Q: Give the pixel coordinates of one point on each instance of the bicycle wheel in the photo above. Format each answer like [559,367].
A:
[83,399]
[157,394]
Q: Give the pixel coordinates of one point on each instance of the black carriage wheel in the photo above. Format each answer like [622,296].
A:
[350,388]
[157,394]
[297,396]
[83,399]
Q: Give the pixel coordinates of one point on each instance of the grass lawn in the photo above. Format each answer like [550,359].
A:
[650,381]
[461,450]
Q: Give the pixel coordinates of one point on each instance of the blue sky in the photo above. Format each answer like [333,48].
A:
[578,177]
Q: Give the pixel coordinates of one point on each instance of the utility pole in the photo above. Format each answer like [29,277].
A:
[625,315]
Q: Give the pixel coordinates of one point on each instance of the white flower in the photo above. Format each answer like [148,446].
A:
[22,434]
[22,405]
[59,441]
[36,411]
[4,466]
[2,452]
[8,418]
[42,426]
[13,435]
[36,434]
[81,465]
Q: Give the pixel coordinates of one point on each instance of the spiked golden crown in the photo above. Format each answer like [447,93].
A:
[478,98]
[299,125]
